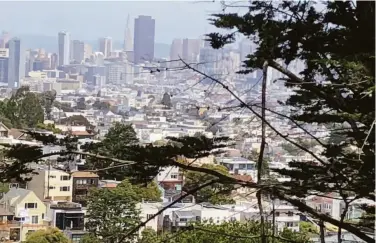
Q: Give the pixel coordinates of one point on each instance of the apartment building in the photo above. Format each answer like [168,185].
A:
[51,184]
[82,183]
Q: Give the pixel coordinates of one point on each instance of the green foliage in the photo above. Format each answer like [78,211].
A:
[166,100]
[116,144]
[337,86]
[112,213]
[217,193]
[121,143]
[150,192]
[90,238]
[100,105]
[4,187]
[15,162]
[47,101]
[81,105]
[63,106]
[49,127]
[308,228]
[227,232]
[51,235]
[76,120]
[148,235]
[22,110]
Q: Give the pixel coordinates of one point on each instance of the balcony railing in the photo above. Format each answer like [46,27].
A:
[84,186]
[80,197]
[10,223]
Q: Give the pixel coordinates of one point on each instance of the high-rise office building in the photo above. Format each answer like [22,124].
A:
[176,49]
[128,40]
[105,46]
[16,64]
[64,48]
[245,48]
[88,51]
[4,58]
[4,39]
[176,52]
[78,49]
[144,34]
[54,61]
[4,69]
[191,49]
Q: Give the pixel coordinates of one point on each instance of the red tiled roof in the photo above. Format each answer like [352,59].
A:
[243,177]
[80,133]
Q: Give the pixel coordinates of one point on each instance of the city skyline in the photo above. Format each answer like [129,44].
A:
[97,23]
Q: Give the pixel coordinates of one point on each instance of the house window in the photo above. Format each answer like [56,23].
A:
[289,224]
[52,176]
[51,187]
[64,178]
[183,220]
[277,214]
[174,176]
[31,205]
[148,216]
[42,215]
[290,214]
[34,219]
[65,188]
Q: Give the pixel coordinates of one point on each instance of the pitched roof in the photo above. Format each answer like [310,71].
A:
[16,133]
[16,193]
[84,174]
[3,127]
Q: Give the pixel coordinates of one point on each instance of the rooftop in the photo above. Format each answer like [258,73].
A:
[84,174]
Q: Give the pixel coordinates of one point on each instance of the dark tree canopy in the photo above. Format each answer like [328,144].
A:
[336,87]
[23,110]
[166,100]
[217,193]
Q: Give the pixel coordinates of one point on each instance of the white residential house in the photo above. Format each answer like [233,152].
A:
[147,210]
[239,166]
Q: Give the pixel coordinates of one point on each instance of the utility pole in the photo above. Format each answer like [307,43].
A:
[322,231]
[273,208]
[48,179]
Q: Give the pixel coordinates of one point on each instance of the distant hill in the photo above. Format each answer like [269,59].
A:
[49,43]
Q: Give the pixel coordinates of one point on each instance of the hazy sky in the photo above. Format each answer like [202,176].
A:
[89,20]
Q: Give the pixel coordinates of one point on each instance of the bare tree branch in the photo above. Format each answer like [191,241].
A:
[244,104]
[262,148]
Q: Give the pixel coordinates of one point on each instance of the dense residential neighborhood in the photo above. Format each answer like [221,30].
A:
[265,134]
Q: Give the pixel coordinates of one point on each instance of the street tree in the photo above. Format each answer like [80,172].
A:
[217,193]
[112,213]
[50,235]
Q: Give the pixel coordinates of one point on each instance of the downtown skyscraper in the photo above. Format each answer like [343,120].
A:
[4,39]
[64,48]
[16,64]
[78,51]
[144,35]
[105,46]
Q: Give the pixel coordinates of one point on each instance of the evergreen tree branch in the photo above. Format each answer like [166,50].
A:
[190,192]
[274,190]
[305,208]
[314,89]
